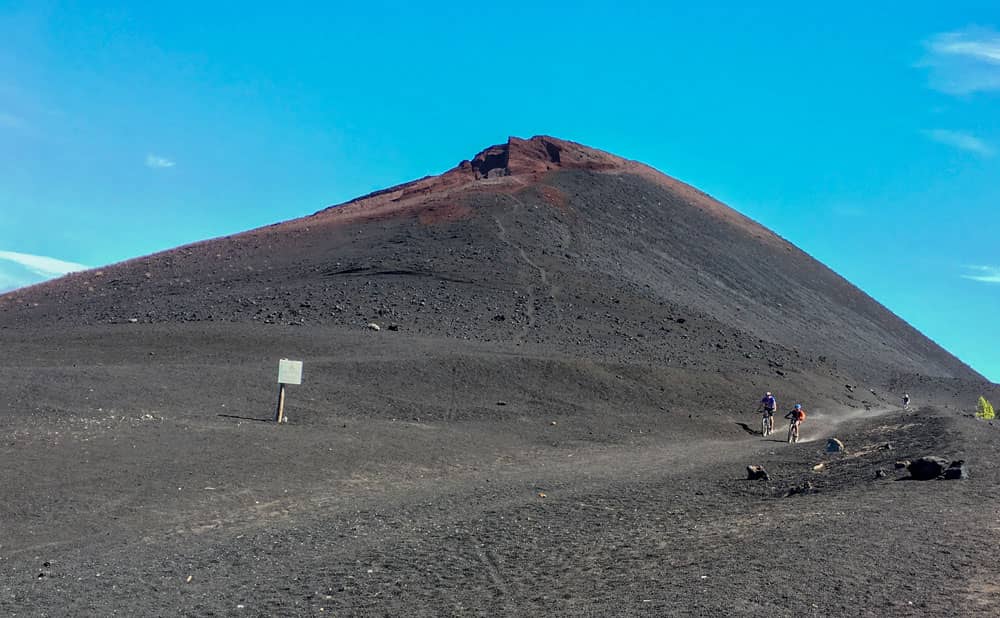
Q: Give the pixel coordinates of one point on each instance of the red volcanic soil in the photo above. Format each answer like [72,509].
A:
[510,166]
[554,418]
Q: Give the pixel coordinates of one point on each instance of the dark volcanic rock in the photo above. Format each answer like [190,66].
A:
[757,473]
[833,445]
[799,489]
[927,468]
[956,471]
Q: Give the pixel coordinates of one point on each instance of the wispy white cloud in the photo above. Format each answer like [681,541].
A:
[41,265]
[158,162]
[985,274]
[961,140]
[964,61]
[20,269]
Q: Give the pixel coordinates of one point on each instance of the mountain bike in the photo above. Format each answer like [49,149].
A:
[766,424]
[793,431]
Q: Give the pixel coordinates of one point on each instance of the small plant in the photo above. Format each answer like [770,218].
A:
[984,410]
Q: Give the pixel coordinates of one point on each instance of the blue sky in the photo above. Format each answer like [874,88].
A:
[867,135]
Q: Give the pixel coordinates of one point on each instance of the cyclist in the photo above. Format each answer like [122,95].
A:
[795,419]
[768,406]
[906,400]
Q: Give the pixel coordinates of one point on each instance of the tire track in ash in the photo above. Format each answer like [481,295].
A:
[530,310]
[543,274]
[489,560]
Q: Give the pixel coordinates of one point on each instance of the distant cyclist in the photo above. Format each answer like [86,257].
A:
[906,400]
[795,419]
[768,405]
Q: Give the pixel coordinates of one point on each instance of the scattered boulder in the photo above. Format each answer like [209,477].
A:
[957,471]
[394,327]
[881,474]
[757,473]
[886,447]
[927,468]
[374,326]
[800,489]
[833,445]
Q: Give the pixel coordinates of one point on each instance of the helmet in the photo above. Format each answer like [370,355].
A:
[798,406]
[767,394]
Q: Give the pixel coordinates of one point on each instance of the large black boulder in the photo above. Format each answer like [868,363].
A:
[927,468]
[757,473]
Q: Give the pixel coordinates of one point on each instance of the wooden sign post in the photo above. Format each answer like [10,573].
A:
[289,372]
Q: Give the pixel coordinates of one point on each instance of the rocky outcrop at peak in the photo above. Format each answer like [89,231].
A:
[540,154]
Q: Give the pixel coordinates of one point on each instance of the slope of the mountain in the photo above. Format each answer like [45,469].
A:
[555,418]
[536,241]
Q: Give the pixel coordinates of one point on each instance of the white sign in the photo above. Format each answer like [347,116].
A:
[289,371]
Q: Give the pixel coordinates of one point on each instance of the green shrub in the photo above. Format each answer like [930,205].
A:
[984,410]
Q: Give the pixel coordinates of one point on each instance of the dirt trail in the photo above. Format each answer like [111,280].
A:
[529,310]
[543,275]
[822,424]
